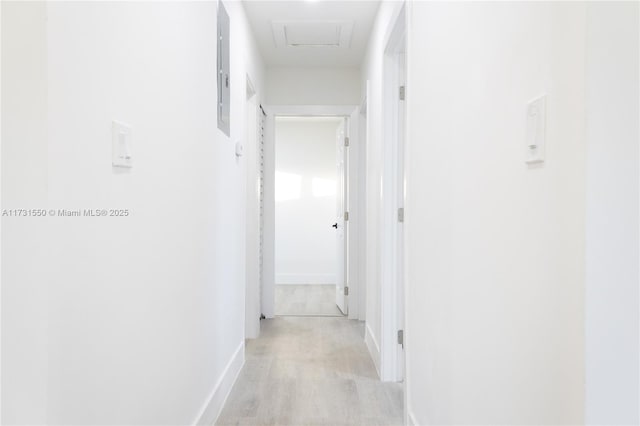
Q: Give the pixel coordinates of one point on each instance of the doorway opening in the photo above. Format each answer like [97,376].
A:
[343,140]
[310,189]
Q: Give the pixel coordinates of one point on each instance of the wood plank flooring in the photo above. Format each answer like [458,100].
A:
[311,371]
[306,299]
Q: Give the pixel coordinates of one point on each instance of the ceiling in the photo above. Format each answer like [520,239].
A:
[304,33]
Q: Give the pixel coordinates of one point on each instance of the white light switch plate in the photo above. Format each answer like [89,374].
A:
[536,122]
[121,139]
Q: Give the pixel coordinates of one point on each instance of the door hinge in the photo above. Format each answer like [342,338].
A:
[346,141]
[401,337]
[346,216]
[346,290]
[402,93]
[401,214]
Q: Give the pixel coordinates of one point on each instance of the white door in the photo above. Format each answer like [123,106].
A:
[341,196]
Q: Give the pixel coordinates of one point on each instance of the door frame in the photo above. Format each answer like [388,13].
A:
[252,234]
[392,297]
[342,222]
[352,257]
[363,135]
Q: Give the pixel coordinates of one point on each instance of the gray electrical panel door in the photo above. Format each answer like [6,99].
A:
[224,85]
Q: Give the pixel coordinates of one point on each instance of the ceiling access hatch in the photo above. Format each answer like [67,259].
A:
[334,34]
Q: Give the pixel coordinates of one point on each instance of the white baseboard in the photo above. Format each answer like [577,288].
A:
[214,404]
[412,419]
[305,279]
[374,348]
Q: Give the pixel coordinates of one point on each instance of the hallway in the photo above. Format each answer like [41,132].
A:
[319,212]
[311,370]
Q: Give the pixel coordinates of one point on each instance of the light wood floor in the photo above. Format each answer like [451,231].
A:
[311,371]
[306,299]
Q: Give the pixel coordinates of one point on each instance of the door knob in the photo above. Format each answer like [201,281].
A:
[335,225]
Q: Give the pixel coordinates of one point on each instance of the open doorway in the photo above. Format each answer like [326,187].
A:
[346,216]
[309,198]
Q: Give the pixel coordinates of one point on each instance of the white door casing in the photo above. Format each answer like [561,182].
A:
[253,223]
[340,225]
[392,353]
[268,268]
[400,200]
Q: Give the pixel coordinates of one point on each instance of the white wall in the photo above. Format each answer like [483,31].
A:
[24,185]
[305,197]
[313,86]
[495,249]
[612,214]
[372,71]
[0,208]
[144,314]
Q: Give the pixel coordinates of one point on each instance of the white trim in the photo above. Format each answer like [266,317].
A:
[269,277]
[411,420]
[0,220]
[252,213]
[354,174]
[291,279]
[389,364]
[408,394]
[212,408]
[373,347]
[363,137]
[269,218]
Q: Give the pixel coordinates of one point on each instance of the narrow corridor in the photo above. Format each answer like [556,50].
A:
[311,371]
[460,178]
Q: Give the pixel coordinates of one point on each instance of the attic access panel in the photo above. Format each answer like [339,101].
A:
[312,34]
[332,34]
[223,68]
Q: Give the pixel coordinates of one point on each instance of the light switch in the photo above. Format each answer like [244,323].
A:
[535,138]
[121,145]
